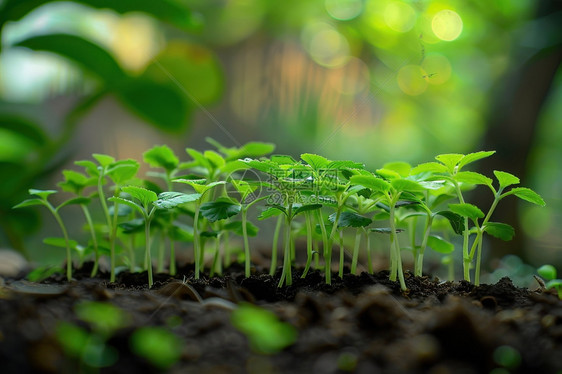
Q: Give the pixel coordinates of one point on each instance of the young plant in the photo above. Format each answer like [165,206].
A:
[42,199]
[351,219]
[548,272]
[146,202]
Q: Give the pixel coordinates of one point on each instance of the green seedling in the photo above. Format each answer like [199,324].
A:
[351,219]
[157,345]
[267,335]
[42,199]
[548,272]
[146,202]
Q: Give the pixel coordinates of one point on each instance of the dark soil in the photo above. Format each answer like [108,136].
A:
[361,324]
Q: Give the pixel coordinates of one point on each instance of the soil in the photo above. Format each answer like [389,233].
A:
[361,324]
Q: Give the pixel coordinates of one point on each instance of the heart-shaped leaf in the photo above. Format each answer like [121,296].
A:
[350,219]
[219,210]
[161,156]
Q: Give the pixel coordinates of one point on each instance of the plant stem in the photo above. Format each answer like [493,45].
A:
[172,257]
[355,251]
[246,244]
[66,240]
[148,258]
[478,260]
[466,259]
[112,237]
[394,241]
[369,254]
[286,274]
[161,247]
[216,266]
[342,257]
[418,266]
[308,243]
[275,244]
[196,244]
[226,247]
[94,239]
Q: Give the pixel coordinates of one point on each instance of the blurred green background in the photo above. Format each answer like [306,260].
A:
[371,80]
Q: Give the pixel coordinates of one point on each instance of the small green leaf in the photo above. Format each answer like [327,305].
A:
[440,245]
[527,194]
[215,159]
[471,157]
[73,339]
[271,212]
[450,160]
[29,202]
[375,184]
[350,219]
[471,177]
[345,164]
[133,226]
[505,179]
[315,161]
[122,210]
[161,156]
[456,220]
[387,174]
[75,201]
[500,230]
[104,160]
[132,204]
[405,185]
[90,167]
[141,194]
[283,160]
[431,167]
[306,208]
[209,234]
[236,227]
[467,210]
[402,168]
[254,149]
[122,171]
[43,194]
[169,200]
[548,272]
[555,283]
[219,210]
[60,242]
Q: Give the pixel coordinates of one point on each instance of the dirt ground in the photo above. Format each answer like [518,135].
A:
[360,324]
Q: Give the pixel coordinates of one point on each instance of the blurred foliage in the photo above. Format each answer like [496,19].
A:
[375,80]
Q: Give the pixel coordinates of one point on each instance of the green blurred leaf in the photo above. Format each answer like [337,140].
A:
[132,226]
[81,51]
[161,104]
[456,220]
[432,167]
[548,272]
[81,200]
[350,219]
[105,318]
[161,156]
[440,245]
[271,212]
[467,210]
[60,242]
[282,160]
[219,210]
[132,204]
[375,184]
[215,159]
[501,231]
[450,160]
[29,202]
[103,160]
[315,161]
[402,168]
[23,127]
[72,338]
[236,227]
[159,346]
[141,194]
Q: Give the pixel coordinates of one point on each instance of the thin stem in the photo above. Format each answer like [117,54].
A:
[394,239]
[478,261]
[172,257]
[66,241]
[161,247]
[148,258]
[94,239]
[466,259]
[308,219]
[342,257]
[369,254]
[112,237]
[355,252]
[226,248]
[196,244]
[246,243]
[418,267]
[216,266]
[275,244]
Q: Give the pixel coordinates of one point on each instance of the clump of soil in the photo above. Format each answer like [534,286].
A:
[361,324]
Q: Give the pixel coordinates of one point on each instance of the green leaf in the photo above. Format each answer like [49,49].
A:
[90,167]
[501,231]
[405,185]
[548,272]
[43,194]
[350,219]
[169,200]
[81,200]
[505,179]
[236,227]
[219,210]
[133,226]
[88,55]
[73,339]
[161,156]
[141,194]
[467,210]
[253,149]
[215,159]
[375,184]
[471,157]
[345,164]
[272,211]
[122,210]
[456,220]
[160,104]
[122,171]
[75,182]
[199,158]
[209,234]
[450,160]
[387,174]
[23,127]
[526,194]
[132,204]
[306,208]
[103,160]
[283,160]
[60,242]
[471,177]
[554,283]
[402,168]
[315,161]
[440,245]
[431,167]
[29,202]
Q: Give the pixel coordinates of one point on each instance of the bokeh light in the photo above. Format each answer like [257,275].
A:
[344,10]
[437,67]
[326,45]
[399,16]
[411,79]
[447,25]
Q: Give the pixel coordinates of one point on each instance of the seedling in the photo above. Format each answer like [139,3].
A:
[548,272]
[42,199]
